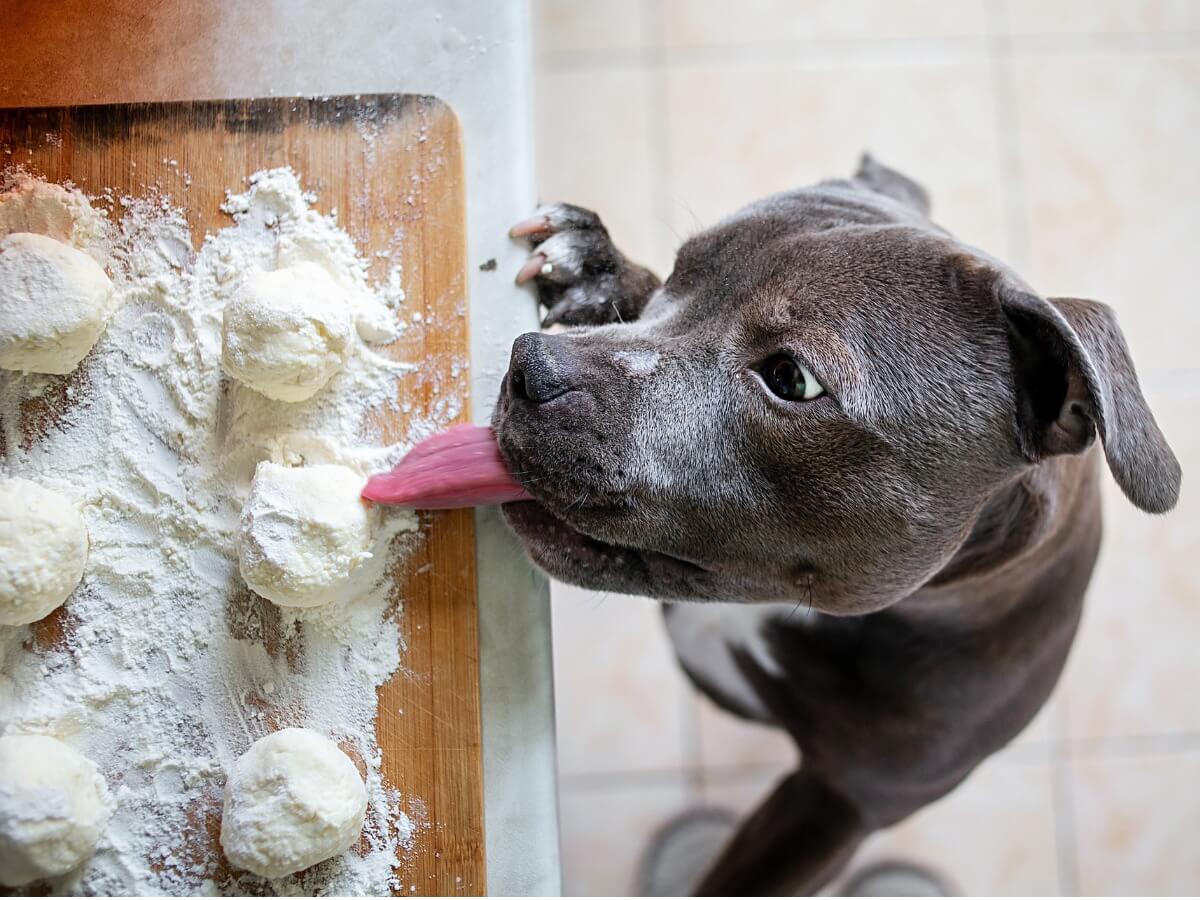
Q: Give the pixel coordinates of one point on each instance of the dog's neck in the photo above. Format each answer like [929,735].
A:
[1022,528]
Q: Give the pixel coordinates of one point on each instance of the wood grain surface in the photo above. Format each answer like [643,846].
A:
[391,166]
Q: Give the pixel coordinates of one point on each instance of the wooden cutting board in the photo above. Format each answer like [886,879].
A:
[389,165]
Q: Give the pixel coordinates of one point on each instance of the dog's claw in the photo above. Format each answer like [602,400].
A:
[573,265]
[533,267]
[529,227]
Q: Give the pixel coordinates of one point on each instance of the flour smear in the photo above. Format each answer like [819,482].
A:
[162,668]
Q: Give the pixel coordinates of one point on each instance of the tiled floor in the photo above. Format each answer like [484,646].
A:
[1062,136]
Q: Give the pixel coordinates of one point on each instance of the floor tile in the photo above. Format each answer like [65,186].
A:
[739,133]
[1108,151]
[994,834]
[1102,16]
[566,26]
[594,150]
[1136,822]
[692,23]
[606,827]
[619,694]
[1136,650]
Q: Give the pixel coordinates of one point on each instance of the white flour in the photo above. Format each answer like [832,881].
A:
[168,668]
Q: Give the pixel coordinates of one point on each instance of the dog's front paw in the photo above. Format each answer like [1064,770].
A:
[581,278]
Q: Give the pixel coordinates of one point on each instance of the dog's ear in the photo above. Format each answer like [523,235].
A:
[891,183]
[1074,380]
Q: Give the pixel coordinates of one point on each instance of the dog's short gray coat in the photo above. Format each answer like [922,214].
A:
[894,569]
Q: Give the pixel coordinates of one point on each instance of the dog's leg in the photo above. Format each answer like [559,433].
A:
[797,840]
[581,277]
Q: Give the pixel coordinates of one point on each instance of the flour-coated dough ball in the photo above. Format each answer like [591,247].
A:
[292,800]
[287,332]
[43,550]
[304,532]
[53,807]
[43,207]
[54,303]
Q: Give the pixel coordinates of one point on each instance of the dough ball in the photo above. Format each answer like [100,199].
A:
[53,807]
[43,549]
[50,209]
[286,332]
[54,303]
[292,800]
[304,532]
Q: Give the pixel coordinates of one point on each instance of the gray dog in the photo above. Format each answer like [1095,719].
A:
[867,447]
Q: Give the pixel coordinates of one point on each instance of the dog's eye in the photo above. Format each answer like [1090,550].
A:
[789,380]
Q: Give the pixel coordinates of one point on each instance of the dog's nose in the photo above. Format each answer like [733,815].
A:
[535,371]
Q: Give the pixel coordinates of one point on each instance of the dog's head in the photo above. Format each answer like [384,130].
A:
[814,408]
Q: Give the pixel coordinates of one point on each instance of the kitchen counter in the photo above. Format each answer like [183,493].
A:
[476,57]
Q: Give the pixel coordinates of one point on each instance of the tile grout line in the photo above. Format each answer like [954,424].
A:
[1132,746]
[905,50]
[1066,839]
[1062,772]
[659,131]
[1008,137]
[720,774]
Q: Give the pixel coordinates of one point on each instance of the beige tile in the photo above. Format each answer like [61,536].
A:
[565,26]
[1102,16]
[1109,148]
[697,23]
[619,694]
[1134,664]
[994,834]
[593,150]
[738,133]
[1136,823]
[605,828]
[729,742]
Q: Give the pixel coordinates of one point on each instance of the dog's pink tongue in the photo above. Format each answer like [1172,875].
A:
[459,467]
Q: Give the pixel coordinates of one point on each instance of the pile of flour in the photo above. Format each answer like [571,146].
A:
[168,667]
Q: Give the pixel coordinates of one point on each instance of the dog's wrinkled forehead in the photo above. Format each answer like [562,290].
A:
[870,308]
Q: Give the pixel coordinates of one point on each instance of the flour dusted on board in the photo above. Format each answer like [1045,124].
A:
[168,668]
